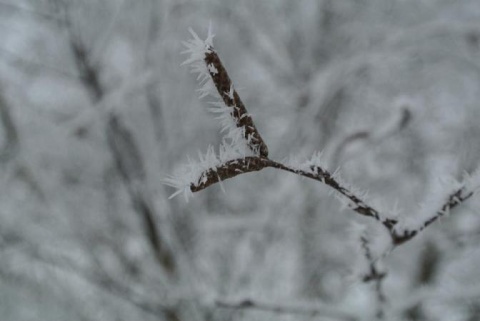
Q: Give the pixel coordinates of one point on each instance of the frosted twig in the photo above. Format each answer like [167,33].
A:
[325,177]
[239,166]
[228,170]
[399,235]
[206,62]
[459,196]
[243,132]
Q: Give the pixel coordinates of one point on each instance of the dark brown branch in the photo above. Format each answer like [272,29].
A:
[325,177]
[236,167]
[240,166]
[250,164]
[231,99]
[228,170]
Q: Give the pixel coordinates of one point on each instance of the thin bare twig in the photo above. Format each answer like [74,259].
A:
[374,275]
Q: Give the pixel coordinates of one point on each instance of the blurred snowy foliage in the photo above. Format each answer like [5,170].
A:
[388,90]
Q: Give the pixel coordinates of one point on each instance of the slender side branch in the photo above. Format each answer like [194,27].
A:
[240,166]
[230,97]
[250,164]
[455,199]
[357,205]
[374,275]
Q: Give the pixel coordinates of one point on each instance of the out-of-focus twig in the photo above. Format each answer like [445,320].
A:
[30,11]
[125,154]
[311,310]
[374,275]
[10,143]
[30,66]
[130,166]
[371,137]
[101,282]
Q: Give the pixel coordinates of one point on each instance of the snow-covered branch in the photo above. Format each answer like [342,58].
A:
[403,234]
[243,150]
[206,63]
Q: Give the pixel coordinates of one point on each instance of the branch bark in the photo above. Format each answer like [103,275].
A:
[230,97]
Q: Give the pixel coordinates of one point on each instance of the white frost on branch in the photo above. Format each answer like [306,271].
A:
[307,165]
[233,146]
[194,171]
[197,49]
[432,206]
[233,134]
[472,181]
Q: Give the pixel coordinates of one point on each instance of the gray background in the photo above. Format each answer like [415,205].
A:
[331,76]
